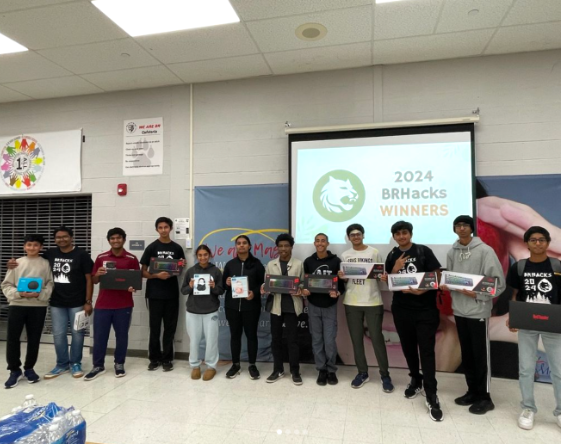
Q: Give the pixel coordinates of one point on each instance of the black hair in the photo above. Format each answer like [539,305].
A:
[402,225]
[354,227]
[166,220]
[205,248]
[284,237]
[322,234]
[116,231]
[65,229]
[242,236]
[34,238]
[534,230]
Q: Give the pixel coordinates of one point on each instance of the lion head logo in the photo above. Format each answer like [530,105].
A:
[338,195]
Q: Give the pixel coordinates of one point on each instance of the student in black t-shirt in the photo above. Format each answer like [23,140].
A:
[536,280]
[415,315]
[162,292]
[73,292]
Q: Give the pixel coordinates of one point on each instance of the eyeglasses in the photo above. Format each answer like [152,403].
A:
[541,240]
[355,235]
[462,226]
[62,237]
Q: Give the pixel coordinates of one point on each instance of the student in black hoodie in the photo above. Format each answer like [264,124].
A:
[322,311]
[243,313]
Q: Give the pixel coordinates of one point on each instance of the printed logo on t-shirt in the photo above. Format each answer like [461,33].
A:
[359,259]
[165,255]
[61,269]
[538,287]
[323,269]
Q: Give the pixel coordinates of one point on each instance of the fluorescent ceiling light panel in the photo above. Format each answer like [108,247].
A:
[8,46]
[145,17]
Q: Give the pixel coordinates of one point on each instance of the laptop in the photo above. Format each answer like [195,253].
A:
[121,280]
[538,317]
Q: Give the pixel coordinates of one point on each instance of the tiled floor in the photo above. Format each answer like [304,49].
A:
[156,407]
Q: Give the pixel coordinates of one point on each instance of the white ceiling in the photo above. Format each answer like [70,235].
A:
[75,49]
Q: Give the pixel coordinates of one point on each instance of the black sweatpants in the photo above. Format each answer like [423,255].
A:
[33,319]
[164,311]
[417,334]
[474,342]
[291,329]
[243,321]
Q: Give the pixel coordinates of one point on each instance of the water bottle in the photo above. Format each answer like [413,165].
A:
[54,433]
[77,418]
[17,409]
[30,401]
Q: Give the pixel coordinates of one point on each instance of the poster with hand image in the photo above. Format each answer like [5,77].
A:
[202,284]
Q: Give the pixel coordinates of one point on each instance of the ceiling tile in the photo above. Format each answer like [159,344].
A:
[15,5]
[200,44]
[459,15]
[99,57]
[59,87]
[136,78]
[432,47]
[405,19]
[523,38]
[256,10]
[532,11]
[221,69]
[343,26]
[59,25]
[9,95]
[321,59]
[28,65]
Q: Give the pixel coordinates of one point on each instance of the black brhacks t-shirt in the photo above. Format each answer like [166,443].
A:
[159,288]
[421,259]
[69,274]
[538,284]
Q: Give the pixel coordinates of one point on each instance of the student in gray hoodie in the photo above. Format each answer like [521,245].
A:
[472,311]
[202,313]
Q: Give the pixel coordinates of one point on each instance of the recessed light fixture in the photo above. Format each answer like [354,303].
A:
[311,31]
[145,17]
[8,46]
[386,1]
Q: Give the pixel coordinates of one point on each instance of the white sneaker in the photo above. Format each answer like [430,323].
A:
[526,419]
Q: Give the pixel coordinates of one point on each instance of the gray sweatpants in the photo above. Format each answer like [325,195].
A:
[323,327]
[374,317]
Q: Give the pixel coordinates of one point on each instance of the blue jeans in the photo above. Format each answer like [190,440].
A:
[61,317]
[199,326]
[120,319]
[527,357]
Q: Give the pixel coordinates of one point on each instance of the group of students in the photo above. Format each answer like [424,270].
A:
[415,312]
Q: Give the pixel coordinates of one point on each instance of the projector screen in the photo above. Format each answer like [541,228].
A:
[423,175]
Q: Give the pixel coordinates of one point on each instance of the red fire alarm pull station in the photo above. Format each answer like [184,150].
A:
[122,189]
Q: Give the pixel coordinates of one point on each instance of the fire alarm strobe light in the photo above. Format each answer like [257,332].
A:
[122,189]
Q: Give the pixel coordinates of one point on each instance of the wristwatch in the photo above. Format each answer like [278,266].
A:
[88,302]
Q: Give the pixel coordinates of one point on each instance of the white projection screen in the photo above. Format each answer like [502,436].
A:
[423,175]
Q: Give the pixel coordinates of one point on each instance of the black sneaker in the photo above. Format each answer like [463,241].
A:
[297,379]
[275,376]
[253,372]
[467,399]
[94,373]
[434,410]
[154,365]
[120,370]
[482,406]
[13,379]
[31,376]
[360,380]
[234,371]
[413,388]
[167,366]
[322,378]
[332,378]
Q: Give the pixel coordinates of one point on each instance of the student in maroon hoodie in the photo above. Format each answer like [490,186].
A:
[322,311]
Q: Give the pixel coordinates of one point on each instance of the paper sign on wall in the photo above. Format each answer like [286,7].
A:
[143,147]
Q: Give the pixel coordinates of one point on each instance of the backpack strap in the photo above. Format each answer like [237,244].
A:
[520,266]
